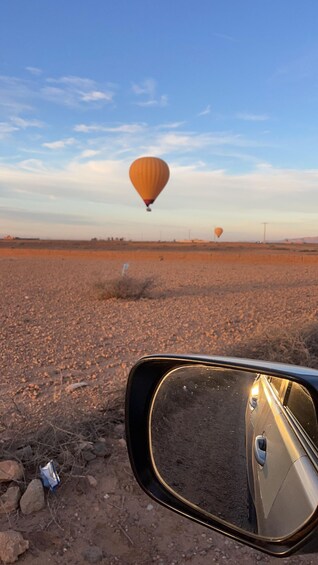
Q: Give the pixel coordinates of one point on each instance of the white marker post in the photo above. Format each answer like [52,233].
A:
[124,269]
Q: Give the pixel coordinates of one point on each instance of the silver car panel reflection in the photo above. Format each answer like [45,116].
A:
[281,458]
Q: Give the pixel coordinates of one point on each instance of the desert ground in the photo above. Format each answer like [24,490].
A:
[208,298]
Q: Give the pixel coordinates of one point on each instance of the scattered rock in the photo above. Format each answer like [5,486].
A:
[88,455]
[119,430]
[92,481]
[93,554]
[101,449]
[33,499]
[122,442]
[10,471]
[66,460]
[24,453]
[9,501]
[84,445]
[12,545]
[75,386]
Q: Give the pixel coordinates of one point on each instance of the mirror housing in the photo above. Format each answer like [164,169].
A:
[143,383]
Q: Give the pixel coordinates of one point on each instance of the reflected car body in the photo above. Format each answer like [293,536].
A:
[281,455]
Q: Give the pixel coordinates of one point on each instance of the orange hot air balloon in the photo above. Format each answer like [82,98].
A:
[218,232]
[149,175]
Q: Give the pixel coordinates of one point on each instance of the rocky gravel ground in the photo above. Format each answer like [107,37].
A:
[55,333]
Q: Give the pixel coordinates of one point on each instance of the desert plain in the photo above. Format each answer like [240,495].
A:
[207,298]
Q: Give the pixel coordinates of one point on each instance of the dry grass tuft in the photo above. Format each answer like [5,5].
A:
[125,288]
[296,345]
[62,441]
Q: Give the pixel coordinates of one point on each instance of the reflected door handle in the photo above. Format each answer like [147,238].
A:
[253,403]
[260,450]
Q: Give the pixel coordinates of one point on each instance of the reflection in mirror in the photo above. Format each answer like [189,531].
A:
[239,445]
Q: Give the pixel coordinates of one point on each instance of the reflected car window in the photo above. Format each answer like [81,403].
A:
[278,385]
[300,404]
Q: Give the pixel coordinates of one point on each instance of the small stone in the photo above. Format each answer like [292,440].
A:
[119,430]
[150,507]
[84,445]
[122,442]
[10,471]
[12,544]
[33,499]
[9,501]
[92,481]
[24,453]
[66,460]
[93,554]
[88,455]
[101,449]
[75,386]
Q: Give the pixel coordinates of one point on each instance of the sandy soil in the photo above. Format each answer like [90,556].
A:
[54,332]
[198,439]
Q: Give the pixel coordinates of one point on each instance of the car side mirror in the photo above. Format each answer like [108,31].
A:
[229,443]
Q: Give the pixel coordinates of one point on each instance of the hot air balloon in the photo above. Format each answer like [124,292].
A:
[149,175]
[218,232]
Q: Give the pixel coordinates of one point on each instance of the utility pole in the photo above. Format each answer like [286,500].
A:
[264,224]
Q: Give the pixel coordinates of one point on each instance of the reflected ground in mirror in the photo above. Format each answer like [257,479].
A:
[198,439]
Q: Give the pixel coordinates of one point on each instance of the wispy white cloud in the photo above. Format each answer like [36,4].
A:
[168,140]
[122,128]
[177,142]
[206,111]
[161,101]
[7,128]
[303,67]
[16,124]
[32,165]
[35,71]
[74,91]
[15,95]
[224,36]
[59,144]
[249,117]
[148,89]
[88,153]
[97,95]
[171,125]
[26,123]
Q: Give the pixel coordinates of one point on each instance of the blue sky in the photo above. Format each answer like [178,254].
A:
[225,92]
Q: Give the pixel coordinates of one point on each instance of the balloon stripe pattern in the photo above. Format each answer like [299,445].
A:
[149,175]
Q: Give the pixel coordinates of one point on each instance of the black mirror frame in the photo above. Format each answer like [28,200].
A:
[143,381]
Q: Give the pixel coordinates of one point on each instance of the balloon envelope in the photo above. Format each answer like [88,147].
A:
[149,175]
[218,231]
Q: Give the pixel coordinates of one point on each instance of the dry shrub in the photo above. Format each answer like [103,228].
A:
[295,345]
[125,288]
[60,440]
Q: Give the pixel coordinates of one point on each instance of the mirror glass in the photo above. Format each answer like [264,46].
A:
[239,445]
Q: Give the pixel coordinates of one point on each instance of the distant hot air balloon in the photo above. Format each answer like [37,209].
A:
[218,232]
[149,175]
